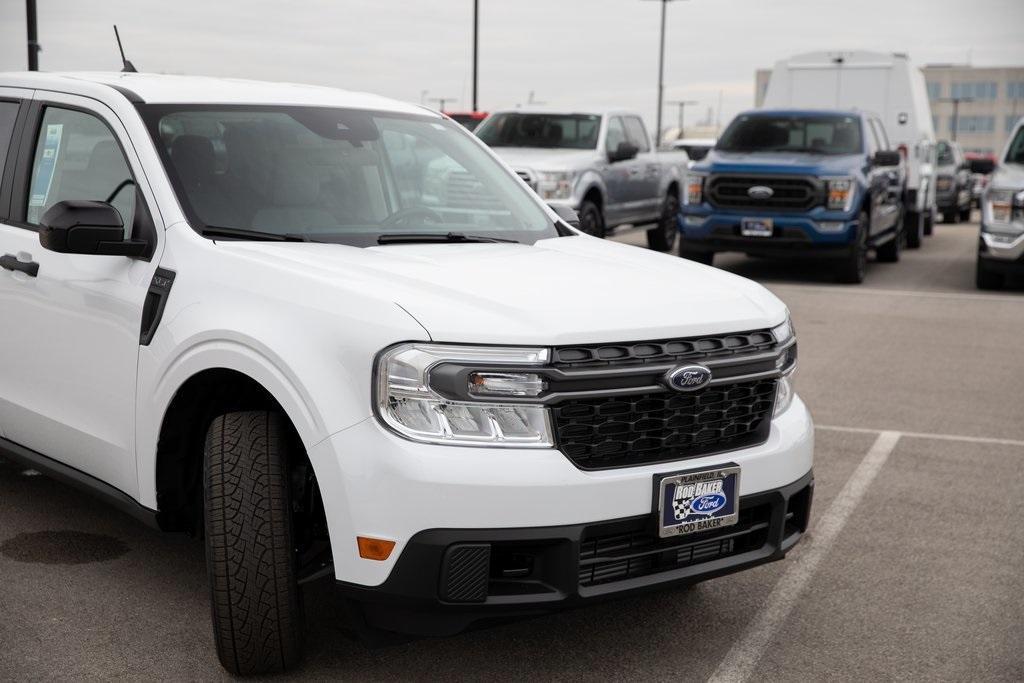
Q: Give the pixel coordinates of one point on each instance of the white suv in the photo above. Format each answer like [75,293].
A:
[336,336]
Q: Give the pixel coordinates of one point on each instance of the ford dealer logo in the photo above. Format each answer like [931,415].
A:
[688,378]
[760,192]
[708,504]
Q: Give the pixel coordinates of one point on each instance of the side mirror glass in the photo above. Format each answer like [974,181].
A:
[567,214]
[625,150]
[887,157]
[982,166]
[80,226]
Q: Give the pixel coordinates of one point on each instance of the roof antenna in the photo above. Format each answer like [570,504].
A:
[128,66]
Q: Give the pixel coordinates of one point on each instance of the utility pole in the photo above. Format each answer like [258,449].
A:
[476,43]
[955,123]
[442,100]
[33,36]
[661,75]
[682,104]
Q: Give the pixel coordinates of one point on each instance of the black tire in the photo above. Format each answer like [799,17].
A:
[705,257]
[929,223]
[854,264]
[591,218]
[965,214]
[663,236]
[987,279]
[257,612]
[913,228]
[890,251]
[949,216]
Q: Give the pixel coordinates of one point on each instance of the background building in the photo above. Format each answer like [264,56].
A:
[991,101]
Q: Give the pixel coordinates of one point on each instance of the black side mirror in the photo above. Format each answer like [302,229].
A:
[982,166]
[80,226]
[567,214]
[887,157]
[625,150]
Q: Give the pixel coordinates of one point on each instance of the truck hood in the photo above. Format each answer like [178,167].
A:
[779,162]
[567,290]
[1008,176]
[540,159]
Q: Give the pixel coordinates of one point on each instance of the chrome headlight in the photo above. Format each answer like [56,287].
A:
[694,189]
[408,404]
[554,184]
[1004,211]
[840,192]
[784,390]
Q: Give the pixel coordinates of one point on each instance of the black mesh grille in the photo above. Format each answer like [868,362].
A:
[787,193]
[609,554]
[633,430]
[662,351]
[465,572]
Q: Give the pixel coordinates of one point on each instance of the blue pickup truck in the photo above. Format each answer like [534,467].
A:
[823,184]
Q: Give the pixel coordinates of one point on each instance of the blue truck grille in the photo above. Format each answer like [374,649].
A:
[733,191]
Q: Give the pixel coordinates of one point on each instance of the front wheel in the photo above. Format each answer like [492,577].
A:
[987,279]
[914,229]
[591,218]
[663,236]
[965,214]
[852,267]
[949,216]
[257,619]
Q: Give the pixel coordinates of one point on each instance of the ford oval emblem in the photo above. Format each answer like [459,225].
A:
[760,192]
[708,504]
[688,378]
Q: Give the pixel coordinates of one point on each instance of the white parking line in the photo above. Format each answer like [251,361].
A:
[1009,297]
[742,658]
[927,435]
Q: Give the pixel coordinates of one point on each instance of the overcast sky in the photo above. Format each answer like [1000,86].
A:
[570,52]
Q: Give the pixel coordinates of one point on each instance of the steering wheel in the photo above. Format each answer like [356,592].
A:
[411,212]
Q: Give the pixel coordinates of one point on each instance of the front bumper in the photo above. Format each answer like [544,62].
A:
[818,232]
[377,484]
[450,579]
[1002,253]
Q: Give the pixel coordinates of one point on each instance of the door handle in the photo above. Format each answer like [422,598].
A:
[11,262]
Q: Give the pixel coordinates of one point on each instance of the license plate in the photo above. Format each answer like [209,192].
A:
[756,227]
[701,500]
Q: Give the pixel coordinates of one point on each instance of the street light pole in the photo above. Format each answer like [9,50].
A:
[476,32]
[955,123]
[661,75]
[33,37]
[442,100]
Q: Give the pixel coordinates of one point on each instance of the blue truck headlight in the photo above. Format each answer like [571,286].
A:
[694,189]
[840,193]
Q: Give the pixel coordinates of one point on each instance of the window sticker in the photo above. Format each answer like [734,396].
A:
[44,171]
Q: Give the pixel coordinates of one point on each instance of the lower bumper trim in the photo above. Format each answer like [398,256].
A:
[448,580]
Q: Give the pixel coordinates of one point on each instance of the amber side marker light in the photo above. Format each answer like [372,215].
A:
[374,548]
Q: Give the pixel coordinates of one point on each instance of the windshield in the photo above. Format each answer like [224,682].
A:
[811,134]
[337,175]
[551,131]
[1015,152]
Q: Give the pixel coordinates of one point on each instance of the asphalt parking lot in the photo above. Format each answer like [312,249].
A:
[913,567]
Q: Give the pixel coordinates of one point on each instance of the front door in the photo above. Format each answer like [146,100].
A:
[69,342]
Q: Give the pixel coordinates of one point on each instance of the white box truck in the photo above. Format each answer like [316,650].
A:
[885,84]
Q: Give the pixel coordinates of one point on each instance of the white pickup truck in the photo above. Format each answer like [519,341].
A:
[333,335]
[599,163]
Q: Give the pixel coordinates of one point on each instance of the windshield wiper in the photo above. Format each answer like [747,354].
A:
[427,237]
[257,235]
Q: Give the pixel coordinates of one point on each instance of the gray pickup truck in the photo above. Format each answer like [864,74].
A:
[599,163]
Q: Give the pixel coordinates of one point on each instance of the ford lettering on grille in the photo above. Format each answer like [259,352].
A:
[688,378]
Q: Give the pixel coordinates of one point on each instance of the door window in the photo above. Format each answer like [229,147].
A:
[616,134]
[637,134]
[78,157]
[8,113]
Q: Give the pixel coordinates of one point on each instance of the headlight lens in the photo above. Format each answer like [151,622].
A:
[840,194]
[406,402]
[694,189]
[784,393]
[1005,210]
[784,390]
[554,185]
